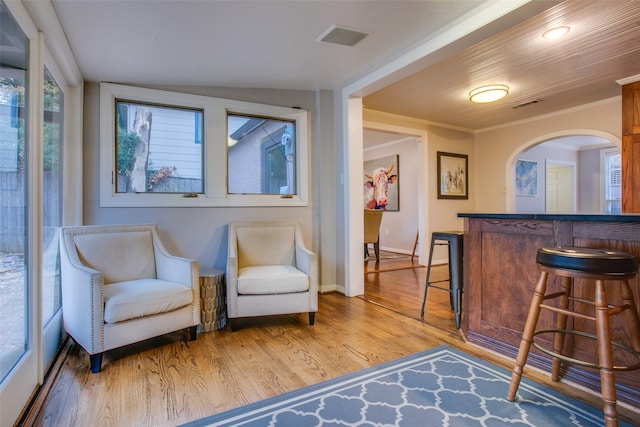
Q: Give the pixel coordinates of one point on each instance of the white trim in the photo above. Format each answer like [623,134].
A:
[46,19]
[627,80]
[605,170]
[423,178]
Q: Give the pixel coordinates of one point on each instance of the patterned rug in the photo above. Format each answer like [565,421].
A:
[437,387]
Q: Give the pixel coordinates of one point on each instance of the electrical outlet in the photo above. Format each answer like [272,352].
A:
[386,232]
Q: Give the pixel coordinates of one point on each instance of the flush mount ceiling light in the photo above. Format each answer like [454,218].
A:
[555,33]
[488,93]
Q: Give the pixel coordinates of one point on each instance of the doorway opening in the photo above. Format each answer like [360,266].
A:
[562,174]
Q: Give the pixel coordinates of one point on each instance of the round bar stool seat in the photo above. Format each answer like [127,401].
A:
[589,260]
[602,266]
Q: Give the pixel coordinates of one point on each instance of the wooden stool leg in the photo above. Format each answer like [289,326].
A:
[605,355]
[561,323]
[631,315]
[527,335]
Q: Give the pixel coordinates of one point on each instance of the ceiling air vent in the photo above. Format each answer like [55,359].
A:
[342,35]
[526,104]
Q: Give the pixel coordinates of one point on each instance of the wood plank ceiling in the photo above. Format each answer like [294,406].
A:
[602,47]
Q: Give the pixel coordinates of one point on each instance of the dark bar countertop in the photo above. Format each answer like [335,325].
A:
[624,217]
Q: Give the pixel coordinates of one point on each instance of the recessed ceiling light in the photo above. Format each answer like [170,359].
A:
[555,33]
[488,93]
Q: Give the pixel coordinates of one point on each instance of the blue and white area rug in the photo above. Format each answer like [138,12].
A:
[437,387]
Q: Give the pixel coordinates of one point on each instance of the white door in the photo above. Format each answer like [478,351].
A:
[559,194]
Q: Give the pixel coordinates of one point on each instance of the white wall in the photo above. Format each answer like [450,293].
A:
[590,181]
[497,148]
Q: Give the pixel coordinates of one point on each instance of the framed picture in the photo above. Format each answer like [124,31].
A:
[526,178]
[381,183]
[453,177]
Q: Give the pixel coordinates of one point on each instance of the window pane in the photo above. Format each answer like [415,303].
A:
[261,155]
[52,196]
[159,149]
[13,194]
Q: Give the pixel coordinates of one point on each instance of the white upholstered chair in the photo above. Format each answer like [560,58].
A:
[270,271]
[121,286]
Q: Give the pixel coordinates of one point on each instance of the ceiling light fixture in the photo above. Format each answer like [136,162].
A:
[555,33]
[488,93]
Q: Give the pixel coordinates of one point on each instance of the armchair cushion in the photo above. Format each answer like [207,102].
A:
[139,298]
[271,279]
[131,251]
[273,245]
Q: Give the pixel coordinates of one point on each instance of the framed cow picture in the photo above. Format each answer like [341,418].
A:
[381,183]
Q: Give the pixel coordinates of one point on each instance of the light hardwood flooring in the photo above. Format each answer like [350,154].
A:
[168,380]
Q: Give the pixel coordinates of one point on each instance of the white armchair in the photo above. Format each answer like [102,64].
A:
[121,286]
[270,271]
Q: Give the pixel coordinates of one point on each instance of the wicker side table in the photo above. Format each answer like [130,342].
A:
[213,296]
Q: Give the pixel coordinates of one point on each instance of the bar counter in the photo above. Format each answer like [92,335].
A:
[500,274]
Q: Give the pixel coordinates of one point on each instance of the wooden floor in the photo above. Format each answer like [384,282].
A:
[398,284]
[168,380]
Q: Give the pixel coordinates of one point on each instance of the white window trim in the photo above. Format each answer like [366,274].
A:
[604,183]
[215,150]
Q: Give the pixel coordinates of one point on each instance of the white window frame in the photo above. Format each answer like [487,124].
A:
[606,182]
[214,145]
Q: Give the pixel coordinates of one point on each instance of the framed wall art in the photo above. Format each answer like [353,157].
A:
[526,178]
[381,183]
[453,176]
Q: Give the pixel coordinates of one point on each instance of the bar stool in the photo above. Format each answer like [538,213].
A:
[454,241]
[600,265]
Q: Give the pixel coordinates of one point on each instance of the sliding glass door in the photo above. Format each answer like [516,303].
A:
[52,139]
[18,360]
[32,139]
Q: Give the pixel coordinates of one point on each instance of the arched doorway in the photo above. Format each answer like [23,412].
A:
[564,173]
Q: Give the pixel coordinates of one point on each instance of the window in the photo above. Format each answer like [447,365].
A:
[158,149]
[161,148]
[613,181]
[261,155]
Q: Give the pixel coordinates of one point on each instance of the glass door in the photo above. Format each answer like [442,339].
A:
[18,360]
[52,138]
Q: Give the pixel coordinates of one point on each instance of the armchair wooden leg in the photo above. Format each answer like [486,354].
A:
[312,317]
[193,333]
[96,362]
